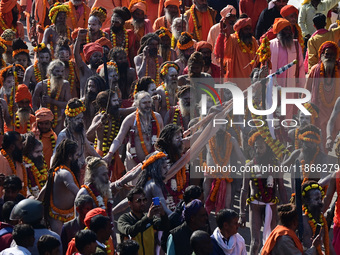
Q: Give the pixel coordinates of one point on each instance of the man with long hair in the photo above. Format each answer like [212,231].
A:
[63,179]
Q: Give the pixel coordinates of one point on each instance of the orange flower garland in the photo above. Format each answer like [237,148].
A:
[3,44]
[74,112]
[71,75]
[4,26]
[73,15]
[126,41]
[17,124]
[39,176]
[303,137]
[14,170]
[94,197]
[153,159]
[243,46]
[3,63]
[55,107]
[16,52]
[296,139]
[321,87]
[60,211]
[193,16]
[166,97]
[88,36]
[157,67]
[37,73]
[140,134]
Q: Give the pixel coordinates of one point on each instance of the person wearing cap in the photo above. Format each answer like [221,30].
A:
[195,218]
[44,132]
[324,94]
[236,56]
[268,16]
[319,37]
[53,93]
[165,50]
[139,24]
[201,18]
[228,14]
[23,117]
[9,15]
[57,14]
[253,9]
[8,37]
[185,45]
[308,10]
[79,14]
[206,49]
[171,11]
[93,53]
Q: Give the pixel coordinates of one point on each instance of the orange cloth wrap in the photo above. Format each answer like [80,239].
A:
[280,24]
[22,93]
[241,23]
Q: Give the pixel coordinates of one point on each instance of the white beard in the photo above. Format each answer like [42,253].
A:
[103,188]
[185,110]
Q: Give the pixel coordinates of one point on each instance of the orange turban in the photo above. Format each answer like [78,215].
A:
[280,24]
[91,48]
[137,4]
[103,41]
[203,45]
[288,10]
[44,114]
[92,213]
[171,2]
[7,5]
[241,23]
[22,93]
[228,9]
[329,44]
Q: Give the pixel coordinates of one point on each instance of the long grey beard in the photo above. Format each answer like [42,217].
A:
[56,84]
[23,115]
[61,29]
[185,110]
[103,188]
[137,25]
[286,42]
[43,70]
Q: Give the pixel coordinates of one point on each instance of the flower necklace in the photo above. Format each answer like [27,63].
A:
[176,114]
[88,36]
[99,201]
[40,177]
[4,25]
[55,107]
[193,16]
[324,225]
[113,133]
[14,171]
[173,42]
[3,63]
[17,124]
[166,97]
[71,75]
[69,214]
[125,42]
[140,134]
[157,67]
[296,139]
[74,24]
[37,73]
[243,46]
[321,87]
[11,100]
[305,174]
[52,139]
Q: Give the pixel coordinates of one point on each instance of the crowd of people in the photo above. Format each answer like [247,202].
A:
[108,108]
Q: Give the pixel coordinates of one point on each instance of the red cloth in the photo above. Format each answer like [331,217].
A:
[336,239]
[203,45]
[288,10]
[253,9]
[6,239]
[329,44]
[92,213]
[241,23]
[44,114]
[91,48]
[103,41]
[6,7]
[280,24]
[22,93]
[228,9]
[171,2]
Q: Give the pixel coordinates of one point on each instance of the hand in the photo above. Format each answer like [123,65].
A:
[329,144]
[242,220]
[46,99]
[82,33]
[153,210]
[40,29]
[104,119]
[263,72]
[225,27]
[317,240]
[146,52]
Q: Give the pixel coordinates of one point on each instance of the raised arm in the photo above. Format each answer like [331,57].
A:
[331,124]
[76,51]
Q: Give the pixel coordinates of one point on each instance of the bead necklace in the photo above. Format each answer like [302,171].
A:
[321,87]
[55,107]
[243,46]
[71,75]
[40,176]
[157,67]
[17,124]
[166,97]
[37,73]
[125,44]
[193,16]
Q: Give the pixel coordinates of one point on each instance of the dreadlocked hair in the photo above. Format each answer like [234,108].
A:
[122,12]
[145,41]
[309,127]
[164,141]
[100,13]
[29,143]
[287,214]
[152,171]
[114,52]
[306,198]
[143,83]
[64,150]
[19,44]
[63,44]
[197,58]
[102,97]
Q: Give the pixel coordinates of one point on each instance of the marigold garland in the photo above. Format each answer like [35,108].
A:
[296,139]
[95,199]
[55,107]
[52,139]
[39,47]
[167,100]
[4,26]
[40,176]
[16,52]
[14,171]
[303,137]
[173,42]
[313,186]
[37,73]
[88,35]
[58,7]
[153,159]
[112,63]
[17,124]
[157,67]
[73,15]
[243,46]
[314,113]
[74,112]
[165,69]
[193,16]
[263,53]
[3,63]
[3,45]
[185,46]
[140,134]
[321,87]
[177,114]
[125,44]
[71,75]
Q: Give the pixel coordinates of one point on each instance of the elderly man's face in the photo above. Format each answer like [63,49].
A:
[25,103]
[171,78]
[94,24]
[64,55]
[77,123]
[58,71]
[172,10]
[328,56]
[44,58]
[153,47]
[61,18]
[116,22]
[292,18]
[138,15]
[201,5]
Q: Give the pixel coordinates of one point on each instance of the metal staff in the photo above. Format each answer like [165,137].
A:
[15,81]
